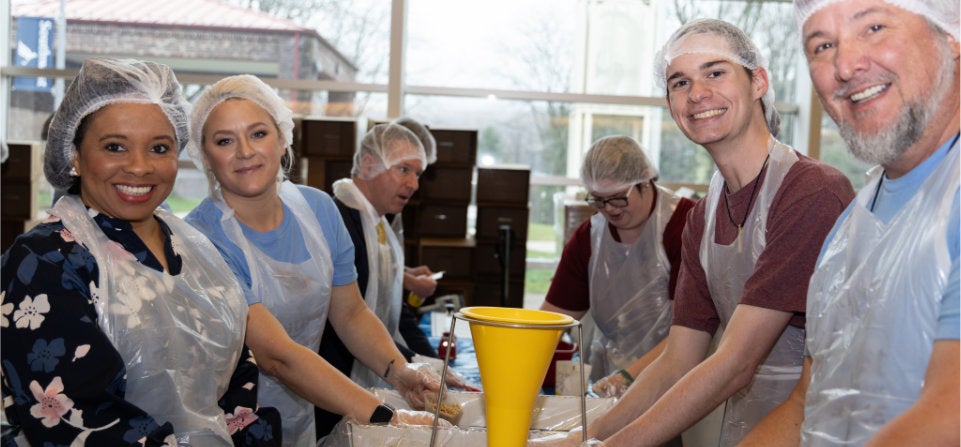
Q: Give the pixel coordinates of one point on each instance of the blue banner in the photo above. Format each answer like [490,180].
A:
[35,50]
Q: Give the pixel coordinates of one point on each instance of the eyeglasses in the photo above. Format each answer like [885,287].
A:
[616,201]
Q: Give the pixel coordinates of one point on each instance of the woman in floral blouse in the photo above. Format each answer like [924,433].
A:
[120,323]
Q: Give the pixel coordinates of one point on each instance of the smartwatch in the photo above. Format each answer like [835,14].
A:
[382,414]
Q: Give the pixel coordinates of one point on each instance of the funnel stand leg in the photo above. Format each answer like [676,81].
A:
[443,384]
[583,393]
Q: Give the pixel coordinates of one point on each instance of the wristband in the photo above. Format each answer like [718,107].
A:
[627,376]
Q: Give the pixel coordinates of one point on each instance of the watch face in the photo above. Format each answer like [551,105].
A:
[382,415]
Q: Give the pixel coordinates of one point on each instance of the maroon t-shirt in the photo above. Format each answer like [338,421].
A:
[803,210]
[570,288]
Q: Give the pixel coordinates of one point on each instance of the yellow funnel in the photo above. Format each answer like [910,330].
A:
[512,362]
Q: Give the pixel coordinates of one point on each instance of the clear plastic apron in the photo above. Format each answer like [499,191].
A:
[877,288]
[180,336]
[298,295]
[384,285]
[629,294]
[727,268]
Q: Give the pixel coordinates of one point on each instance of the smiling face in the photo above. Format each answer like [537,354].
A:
[634,214]
[881,73]
[712,99]
[243,148]
[127,160]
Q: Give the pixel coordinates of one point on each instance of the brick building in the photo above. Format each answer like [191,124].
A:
[194,37]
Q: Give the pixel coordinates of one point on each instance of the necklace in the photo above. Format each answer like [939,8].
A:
[749,203]
[877,192]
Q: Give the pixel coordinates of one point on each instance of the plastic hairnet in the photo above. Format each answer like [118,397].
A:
[423,134]
[943,13]
[385,143]
[240,86]
[717,37]
[614,163]
[102,82]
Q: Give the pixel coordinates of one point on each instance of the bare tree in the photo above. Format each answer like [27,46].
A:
[359,30]
[543,61]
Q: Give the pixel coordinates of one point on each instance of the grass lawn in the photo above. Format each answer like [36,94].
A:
[537,280]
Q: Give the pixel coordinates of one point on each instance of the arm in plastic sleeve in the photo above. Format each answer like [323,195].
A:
[411,380]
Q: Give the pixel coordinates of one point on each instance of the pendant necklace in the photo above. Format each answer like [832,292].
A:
[749,203]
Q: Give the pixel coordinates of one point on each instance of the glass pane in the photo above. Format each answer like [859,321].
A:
[336,40]
[580,47]
[497,44]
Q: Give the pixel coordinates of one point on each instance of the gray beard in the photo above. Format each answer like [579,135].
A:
[886,146]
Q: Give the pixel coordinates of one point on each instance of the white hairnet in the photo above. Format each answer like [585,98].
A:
[250,88]
[423,134]
[615,163]
[385,143]
[943,13]
[101,82]
[719,38]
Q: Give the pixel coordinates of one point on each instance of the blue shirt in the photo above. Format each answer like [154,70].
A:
[893,194]
[285,243]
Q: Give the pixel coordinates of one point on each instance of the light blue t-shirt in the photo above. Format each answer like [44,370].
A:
[892,196]
[286,243]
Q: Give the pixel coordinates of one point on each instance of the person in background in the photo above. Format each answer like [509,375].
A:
[288,246]
[883,304]
[749,248]
[621,265]
[384,176]
[418,280]
[118,327]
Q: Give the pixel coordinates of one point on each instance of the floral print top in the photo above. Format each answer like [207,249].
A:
[63,380]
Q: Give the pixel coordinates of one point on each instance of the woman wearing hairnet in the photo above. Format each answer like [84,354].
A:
[621,265]
[122,329]
[288,245]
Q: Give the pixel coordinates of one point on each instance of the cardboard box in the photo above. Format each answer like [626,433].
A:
[439,221]
[445,184]
[490,219]
[455,147]
[503,185]
[328,137]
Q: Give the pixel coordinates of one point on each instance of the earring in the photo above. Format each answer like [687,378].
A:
[73,172]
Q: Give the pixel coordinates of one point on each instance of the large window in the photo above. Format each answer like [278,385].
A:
[539,79]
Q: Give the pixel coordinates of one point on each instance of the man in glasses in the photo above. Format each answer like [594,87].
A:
[621,265]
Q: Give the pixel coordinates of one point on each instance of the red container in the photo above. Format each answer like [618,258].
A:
[564,351]
[447,341]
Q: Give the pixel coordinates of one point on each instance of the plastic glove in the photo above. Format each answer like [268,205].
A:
[411,380]
[453,379]
[614,385]
[407,417]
